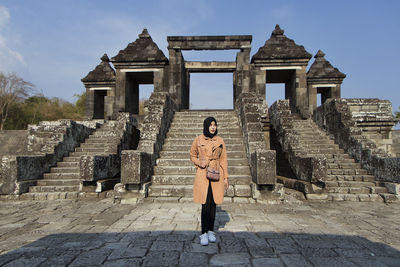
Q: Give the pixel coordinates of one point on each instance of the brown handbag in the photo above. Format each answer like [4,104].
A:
[212,174]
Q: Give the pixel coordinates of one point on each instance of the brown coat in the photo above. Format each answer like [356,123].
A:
[207,148]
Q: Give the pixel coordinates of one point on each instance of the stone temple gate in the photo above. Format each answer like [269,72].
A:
[280,60]
[340,150]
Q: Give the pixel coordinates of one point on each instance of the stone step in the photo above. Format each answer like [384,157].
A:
[58,188]
[221,125]
[355,197]
[61,176]
[183,147]
[97,145]
[97,140]
[313,137]
[78,154]
[186,155]
[72,159]
[317,141]
[330,155]
[104,134]
[340,160]
[179,179]
[317,146]
[180,135]
[348,184]
[187,191]
[50,135]
[203,116]
[54,182]
[230,141]
[346,171]
[348,190]
[390,198]
[90,150]
[314,151]
[64,170]
[187,162]
[191,170]
[69,164]
[357,178]
[200,131]
[170,190]
[344,165]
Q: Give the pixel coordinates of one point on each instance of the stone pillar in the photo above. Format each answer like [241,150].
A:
[120,87]
[187,92]
[335,91]
[89,103]
[109,103]
[290,90]
[312,97]
[158,81]
[301,98]
[176,67]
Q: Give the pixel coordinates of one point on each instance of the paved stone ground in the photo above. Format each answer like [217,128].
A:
[89,233]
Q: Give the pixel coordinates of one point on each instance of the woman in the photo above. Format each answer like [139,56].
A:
[208,150]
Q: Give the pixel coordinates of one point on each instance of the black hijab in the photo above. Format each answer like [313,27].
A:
[206,126]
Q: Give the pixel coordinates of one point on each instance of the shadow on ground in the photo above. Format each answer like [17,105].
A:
[182,248]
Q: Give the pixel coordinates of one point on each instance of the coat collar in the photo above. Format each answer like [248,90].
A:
[214,138]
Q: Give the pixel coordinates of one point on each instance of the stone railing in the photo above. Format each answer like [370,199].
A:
[137,165]
[251,111]
[107,165]
[48,142]
[311,169]
[335,117]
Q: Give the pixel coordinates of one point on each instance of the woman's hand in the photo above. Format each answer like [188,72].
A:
[203,163]
[226,184]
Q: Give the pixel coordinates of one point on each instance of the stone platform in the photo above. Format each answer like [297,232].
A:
[102,233]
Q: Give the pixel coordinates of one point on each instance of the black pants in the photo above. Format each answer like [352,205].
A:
[208,211]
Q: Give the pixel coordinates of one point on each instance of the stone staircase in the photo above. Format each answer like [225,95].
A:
[346,179]
[63,181]
[174,172]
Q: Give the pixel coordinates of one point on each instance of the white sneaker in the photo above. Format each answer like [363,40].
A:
[204,239]
[211,236]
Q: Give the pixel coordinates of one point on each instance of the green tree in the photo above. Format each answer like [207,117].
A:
[80,104]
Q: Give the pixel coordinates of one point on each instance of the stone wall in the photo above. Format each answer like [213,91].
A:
[346,120]
[306,168]
[137,165]
[13,142]
[251,111]
[48,142]
[396,143]
[107,165]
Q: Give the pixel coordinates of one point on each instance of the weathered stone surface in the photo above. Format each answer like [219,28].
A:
[280,47]
[141,50]
[56,139]
[102,73]
[230,259]
[346,120]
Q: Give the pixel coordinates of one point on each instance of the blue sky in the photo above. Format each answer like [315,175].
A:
[53,44]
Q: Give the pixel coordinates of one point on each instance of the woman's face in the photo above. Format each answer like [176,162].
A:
[212,128]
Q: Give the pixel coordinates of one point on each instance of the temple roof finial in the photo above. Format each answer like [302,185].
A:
[319,54]
[144,34]
[277,31]
[105,58]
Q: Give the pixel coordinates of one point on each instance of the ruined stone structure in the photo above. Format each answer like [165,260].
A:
[342,150]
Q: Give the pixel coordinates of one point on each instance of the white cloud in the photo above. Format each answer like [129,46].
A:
[4,17]
[9,58]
